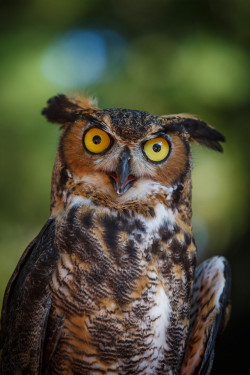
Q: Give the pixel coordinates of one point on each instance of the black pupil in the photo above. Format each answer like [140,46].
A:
[97,139]
[156,147]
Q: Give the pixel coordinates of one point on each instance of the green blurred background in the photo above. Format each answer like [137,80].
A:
[161,56]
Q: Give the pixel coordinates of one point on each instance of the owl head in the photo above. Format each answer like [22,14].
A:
[122,155]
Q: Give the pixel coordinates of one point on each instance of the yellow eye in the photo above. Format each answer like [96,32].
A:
[156,149]
[96,140]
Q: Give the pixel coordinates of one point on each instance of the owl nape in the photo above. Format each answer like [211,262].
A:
[110,285]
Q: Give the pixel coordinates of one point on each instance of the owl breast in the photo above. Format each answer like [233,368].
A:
[123,285]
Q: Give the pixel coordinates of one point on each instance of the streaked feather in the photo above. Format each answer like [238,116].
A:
[209,312]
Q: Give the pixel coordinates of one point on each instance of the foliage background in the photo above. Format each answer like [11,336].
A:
[161,56]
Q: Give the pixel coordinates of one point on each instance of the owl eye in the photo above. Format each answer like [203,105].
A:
[156,149]
[96,140]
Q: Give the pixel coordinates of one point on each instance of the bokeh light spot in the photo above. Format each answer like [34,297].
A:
[80,58]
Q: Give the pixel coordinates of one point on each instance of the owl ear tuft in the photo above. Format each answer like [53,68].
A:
[199,131]
[63,110]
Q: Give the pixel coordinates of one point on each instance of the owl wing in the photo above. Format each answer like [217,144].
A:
[28,319]
[209,314]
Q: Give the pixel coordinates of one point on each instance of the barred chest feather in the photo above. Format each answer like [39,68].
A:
[124,284]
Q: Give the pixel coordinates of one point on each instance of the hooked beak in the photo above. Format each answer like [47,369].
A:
[122,180]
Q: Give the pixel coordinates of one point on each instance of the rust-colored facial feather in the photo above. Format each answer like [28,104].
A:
[80,162]
[177,164]
[128,131]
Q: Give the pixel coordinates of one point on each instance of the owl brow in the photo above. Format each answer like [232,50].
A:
[160,133]
[172,128]
[93,120]
[165,131]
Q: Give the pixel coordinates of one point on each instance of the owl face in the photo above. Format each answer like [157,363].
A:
[123,153]
[120,156]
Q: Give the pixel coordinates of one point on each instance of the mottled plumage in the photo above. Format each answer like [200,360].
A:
[109,284]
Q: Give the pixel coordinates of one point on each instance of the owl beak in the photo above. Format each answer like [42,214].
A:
[122,180]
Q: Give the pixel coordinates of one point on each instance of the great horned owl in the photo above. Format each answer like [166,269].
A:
[110,284]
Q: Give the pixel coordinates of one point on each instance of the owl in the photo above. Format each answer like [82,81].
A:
[110,284]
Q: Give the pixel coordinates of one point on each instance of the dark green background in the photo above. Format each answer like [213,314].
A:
[178,56]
